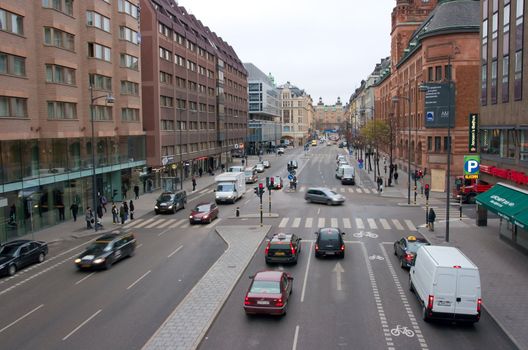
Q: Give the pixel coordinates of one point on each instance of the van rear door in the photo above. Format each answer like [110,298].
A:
[468,292]
[445,290]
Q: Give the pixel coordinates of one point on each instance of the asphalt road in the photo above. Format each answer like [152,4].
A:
[369,305]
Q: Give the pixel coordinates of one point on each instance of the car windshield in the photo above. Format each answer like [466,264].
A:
[413,246]
[101,246]
[329,234]
[332,192]
[8,250]
[165,198]
[248,173]
[203,208]
[225,188]
[267,287]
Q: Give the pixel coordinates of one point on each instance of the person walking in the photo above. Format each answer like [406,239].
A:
[431,219]
[74,210]
[380,182]
[104,201]
[396,178]
[131,208]
[125,207]
[136,191]
[115,214]
[89,217]
[99,211]
[200,171]
[122,213]
[194,183]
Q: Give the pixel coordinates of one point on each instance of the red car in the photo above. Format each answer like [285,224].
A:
[268,293]
[203,213]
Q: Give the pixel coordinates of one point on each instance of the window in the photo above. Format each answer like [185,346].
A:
[129,88]
[65,6]
[58,110]
[493,81]
[97,20]
[102,113]
[164,53]
[166,101]
[167,125]
[129,35]
[58,38]
[193,106]
[130,114]
[182,83]
[191,65]
[128,8]
[60,74]
[99,51]
[165,78]
[12,65]
[429,143]
[181,104]
[438,143]
[518,75]
[505,78]
[13,107]
[519,29]
[100,82]
[11,22]
[490,141]
[507,143]
[430,76]
[438,73]
[129,61]
[446,143]
[523,147]
[164,30]
[483,87]
[180,61]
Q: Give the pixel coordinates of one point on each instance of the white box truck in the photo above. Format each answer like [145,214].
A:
[229,187]
[447,284]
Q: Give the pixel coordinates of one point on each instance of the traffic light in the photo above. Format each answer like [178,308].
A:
[272,181]
[256,190]
[426,191]
[267,181]
[261,189]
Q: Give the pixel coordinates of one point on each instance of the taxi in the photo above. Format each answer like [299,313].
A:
[405,250]
[283,248]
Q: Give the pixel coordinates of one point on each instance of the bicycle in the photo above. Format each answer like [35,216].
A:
[362,234]
[402,330]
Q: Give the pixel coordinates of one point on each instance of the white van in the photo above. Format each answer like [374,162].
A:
[236,169]
[447,284]
[349,176]
[340,169]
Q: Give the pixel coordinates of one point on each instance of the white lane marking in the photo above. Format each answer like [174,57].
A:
[133,223]
[346,223]
[139,279]
[139,245]
[82,279]
[350,190]
[295,337]
[284,222]
[308,223]
[186,225]
[321,222]
[338,269]
[366,190]
[21,318]
[145,222]
[318,211]
[385,224]
[164,231]
[204,190]
[82,324]
[342,189]
[155,223]
[334,189]
[410,225]
[166,223]
[247,202]
[372,224]
[177,223]
[306,273]
[359,190]
[296,222]
[333,222]
[174,252]
[359,224]
[397,224]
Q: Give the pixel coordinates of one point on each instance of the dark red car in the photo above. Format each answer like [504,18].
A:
[268,293]
[203,213]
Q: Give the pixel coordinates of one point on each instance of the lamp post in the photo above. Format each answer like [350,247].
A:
[109,99]
[181,151]
[408,98]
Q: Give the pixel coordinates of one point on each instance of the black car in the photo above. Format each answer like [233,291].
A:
[329,242]
[15,255]
[292,164]
[107,250]
[283,248]
[405,249]
[170,202]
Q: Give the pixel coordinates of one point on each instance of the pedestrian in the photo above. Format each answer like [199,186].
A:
[74,210]
[115,214]
[200,171]
[131,208]
[380,182]
[89,217]
[124,190]
[125,206]
[194,183]
[396,178]
[136,191]
[99,211]
[104,201]
[385,168]
[223,167]
[122,213]
[431,219]
[60,208]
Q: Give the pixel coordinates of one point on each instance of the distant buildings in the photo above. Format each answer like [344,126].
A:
[329,116]
[297,114]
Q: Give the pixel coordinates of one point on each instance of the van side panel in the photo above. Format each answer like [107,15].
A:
[468,290]
[422,275]
[444,290]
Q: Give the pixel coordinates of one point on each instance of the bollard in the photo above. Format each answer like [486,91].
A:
[237,212]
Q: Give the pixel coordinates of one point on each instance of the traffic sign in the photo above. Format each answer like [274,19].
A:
[471,165]
[290,177]
[361,165]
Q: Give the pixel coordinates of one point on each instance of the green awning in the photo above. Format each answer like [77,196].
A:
[521,219]
[504,200]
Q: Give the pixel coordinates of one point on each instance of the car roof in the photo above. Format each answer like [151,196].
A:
[328,229]
[319,188]
[268,276]
[415,239]
[282,237]
[17,242]
[112,236]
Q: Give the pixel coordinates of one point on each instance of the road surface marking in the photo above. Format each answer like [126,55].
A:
[308,223]
[174,252]
[21,318]
[385,224]
[359,190]
[338,269]
[211,224]
[350,190]
[82,324]
[366,190]
[333,222]
[164,231]
[186,225]
[306,273]
[295,337]
[145,222]
[177,223]
[284,222]
[342,189]
[334,189]
[318,211]
[132,223]
[346,223]
[372,224]
[321,222]
[296,222]
[82,279]
[153,224]
[139,245]
[166,223]
[397,224]
[139,279]
[359,224]
[410,225]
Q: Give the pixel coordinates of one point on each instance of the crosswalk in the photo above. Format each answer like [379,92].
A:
[346,223]
[162,223]
[350,189]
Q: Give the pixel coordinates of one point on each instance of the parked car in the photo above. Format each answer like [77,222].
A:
[323,195]
[107,250]
[204,213]
[170,202]
[329,242]
[405,249]
[283,248]
[280,150]
[260,167]
[266,163]
[268,293]
[18,254]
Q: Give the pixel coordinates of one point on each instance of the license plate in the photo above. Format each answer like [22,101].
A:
[263,302]
[196,219]
[330,253]
[85,265]
[444,303]
[279,254]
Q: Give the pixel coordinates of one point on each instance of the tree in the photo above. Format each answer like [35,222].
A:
[376,133]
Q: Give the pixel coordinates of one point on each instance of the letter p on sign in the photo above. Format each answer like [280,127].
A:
[471,165]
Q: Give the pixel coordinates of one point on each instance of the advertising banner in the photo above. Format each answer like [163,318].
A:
[473,132]
[439,105]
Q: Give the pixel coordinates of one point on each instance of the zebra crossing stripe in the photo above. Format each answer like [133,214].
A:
[359,190]
[372,223]
[385,224]
[284,222]
[350,190]
[359,224]
[321,222]
[187,225]
[204,190]
[346,223]
[302,189]
[308,223]
[165,224]
[366,190]
[397,224]
[151,225]
[145,222]
[296,222]
[156,223]
[333,222]
[334,189]
[177,223]
[410,225]
[342,189]
[132,223]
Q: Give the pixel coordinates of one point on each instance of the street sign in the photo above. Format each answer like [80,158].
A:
[471,166]
[290,177]
[361,165]
[439,105]
[473,132]
[236,145]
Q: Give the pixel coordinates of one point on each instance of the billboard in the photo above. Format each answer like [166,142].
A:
[473,132]
[439,105]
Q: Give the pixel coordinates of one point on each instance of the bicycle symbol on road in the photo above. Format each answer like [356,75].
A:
[376,257]
[362,234]
[402,330]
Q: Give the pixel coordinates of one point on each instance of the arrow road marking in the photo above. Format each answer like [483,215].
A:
[338,269]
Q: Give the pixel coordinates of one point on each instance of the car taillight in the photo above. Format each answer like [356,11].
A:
[316,247]
[267,249]
[292,249]
[246,301]
[479,304]
[408,257]
[342,247]
[279,302]
[430,302]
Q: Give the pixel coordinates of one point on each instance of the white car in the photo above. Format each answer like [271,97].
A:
[280,150]
[260,168]
[266,163]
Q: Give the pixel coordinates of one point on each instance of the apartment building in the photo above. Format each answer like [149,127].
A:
[57,59]
[194,93]
[297,114]
[329,117]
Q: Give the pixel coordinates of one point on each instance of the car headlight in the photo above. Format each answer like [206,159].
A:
[99,260]
[170,206]
[190,216]
[205,216]
[77,261]
[156,207]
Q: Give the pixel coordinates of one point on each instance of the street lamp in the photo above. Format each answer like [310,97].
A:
[181,151]
[408,98]
[108,99]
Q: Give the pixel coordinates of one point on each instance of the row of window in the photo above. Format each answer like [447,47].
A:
[64,6]
[178,38]
[504,142]
[193,147]
[11,22]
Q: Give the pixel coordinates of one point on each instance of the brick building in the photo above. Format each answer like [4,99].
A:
[329,116]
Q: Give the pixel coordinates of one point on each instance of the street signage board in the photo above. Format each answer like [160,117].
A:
[439,105]
[290,177]
[471,166]
[473,132]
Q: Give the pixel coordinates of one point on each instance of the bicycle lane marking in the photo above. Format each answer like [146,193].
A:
[414,324]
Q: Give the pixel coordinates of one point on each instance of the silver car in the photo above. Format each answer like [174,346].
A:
[323,195]
[260,167]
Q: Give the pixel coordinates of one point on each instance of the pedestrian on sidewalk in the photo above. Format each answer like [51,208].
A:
[89,218]
[431,219]
[380,182]
[99,211]
[136,191]
[396,178]
[200,171]
[103,201]
[194,183]
[125,207]
[115,214]
[74,210]
[122,213]
[131,208]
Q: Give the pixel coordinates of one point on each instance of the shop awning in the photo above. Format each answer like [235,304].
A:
[507,201]
[521,220]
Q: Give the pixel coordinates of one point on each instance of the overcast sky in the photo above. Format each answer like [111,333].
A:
[325,47]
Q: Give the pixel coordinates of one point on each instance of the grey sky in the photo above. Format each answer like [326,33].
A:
[325,47]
